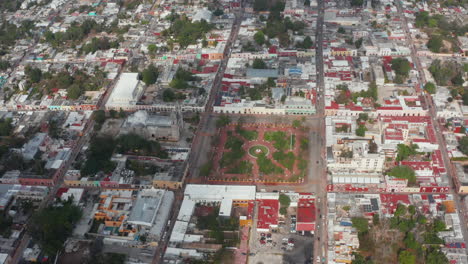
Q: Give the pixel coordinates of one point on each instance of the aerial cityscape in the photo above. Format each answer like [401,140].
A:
[234,131]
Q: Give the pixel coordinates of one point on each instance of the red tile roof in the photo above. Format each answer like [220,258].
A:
[267,213]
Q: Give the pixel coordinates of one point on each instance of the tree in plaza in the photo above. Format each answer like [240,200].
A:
[430,87]
[223,120]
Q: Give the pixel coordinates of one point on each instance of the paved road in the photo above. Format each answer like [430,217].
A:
[203,127]
[320,238]
[451,174]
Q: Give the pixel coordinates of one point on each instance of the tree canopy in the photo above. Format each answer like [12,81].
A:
[435,43]
[284,200]
[259,38]
[259,64]
[360,223]
[150,75]
[430,87]
[463,145]
[401,66]
[405,151]
[51,226]
[187,32]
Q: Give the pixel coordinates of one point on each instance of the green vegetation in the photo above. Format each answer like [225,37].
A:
[341,30]
[4,65]
[137,145]
[304,143]
[5,225]
[406,257]
[361,131]
[217,225]
[439,23]
[463,145]
[435,43]
[181,79]
[222,121]
[113,258]
[279,139]
[285,159]
[277,27]
[405,151]
[99,44]
[141,168]
[345,96]
[247,134]
[360,223]
[187,32]
[98,157]
[403,172]
[205,169]
[402,67]
[150,75]
[343,128]
[266,166]
[76,84]
[243,167]
[5,127]
[306,44]
[51,226]
[430,87]
[259,64]
[9,5]
[237,152]
[357,3]
[168,95]
[9,33]
[447,72]
[74,34]
[284,201]
[259,38]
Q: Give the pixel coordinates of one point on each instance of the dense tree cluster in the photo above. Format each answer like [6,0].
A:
[402,67]
[447,72]
[150,75]
[181,79]
[76,32]
[187,32]
[75,84]
[99,44]
[10,33]
[51,226]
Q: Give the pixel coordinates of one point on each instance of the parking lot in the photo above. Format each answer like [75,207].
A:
[280,245]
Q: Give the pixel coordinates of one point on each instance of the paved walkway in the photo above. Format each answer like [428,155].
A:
[221,173]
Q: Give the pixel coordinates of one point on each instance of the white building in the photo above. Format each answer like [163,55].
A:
[126,92]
